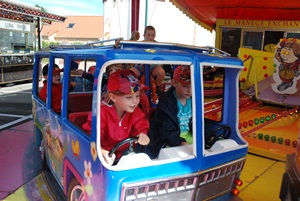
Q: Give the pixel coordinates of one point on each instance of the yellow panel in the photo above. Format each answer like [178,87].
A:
[258,66]
[262,179]
[36,188]
[254,167]
[20,194]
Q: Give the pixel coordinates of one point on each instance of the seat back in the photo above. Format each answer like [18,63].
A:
[80,102]
[79,118]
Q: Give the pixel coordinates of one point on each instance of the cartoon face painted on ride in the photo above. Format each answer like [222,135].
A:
[287,61]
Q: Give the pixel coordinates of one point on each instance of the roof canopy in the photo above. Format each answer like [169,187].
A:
[206,12]
[18,12]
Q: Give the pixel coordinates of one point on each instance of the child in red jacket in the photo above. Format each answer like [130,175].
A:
[56,88]
[121,118]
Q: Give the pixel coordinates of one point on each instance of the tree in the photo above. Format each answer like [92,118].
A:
[41,7]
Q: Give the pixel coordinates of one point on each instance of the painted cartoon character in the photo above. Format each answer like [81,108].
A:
[288,56]
[48,133]
[57,149]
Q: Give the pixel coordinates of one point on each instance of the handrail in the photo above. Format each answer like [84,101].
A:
[122,44]
[173,46]
[91,45]
[220,51]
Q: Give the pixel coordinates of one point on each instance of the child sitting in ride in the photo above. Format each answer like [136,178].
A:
[172,119]
[89,78]
[157,72]
[56,87]
[76,77]
[120,117]
[144,101]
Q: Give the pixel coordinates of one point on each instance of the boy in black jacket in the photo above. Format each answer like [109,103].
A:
[171,122]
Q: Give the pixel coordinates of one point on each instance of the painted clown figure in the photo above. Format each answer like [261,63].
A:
[287,60]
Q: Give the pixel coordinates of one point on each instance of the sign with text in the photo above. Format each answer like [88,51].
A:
[14,26]
[259,23]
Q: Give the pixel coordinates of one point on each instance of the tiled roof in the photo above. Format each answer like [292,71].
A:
[84,27]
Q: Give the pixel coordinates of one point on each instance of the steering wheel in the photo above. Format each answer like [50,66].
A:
[218,133]
[129,140]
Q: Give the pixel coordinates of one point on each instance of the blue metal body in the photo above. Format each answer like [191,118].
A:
[68,149]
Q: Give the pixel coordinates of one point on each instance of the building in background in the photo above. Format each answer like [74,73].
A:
[19,39]
[170,23]
[75,29]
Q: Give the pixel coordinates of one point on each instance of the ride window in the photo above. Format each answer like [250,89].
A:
[84,82]
[272,37]
[81,78]
[44,80]
[56,81]
[253,40]
[149,100]
[293,35]
[213,86]
[231,40]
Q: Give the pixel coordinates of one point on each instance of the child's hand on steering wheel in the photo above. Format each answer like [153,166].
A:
[143,139]
[108,160]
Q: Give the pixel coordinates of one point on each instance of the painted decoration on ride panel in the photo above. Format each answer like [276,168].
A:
[287,62]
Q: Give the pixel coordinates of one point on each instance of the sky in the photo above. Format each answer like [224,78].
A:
[156,10]
[67,7]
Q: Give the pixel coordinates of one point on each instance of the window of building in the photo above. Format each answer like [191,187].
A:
[71,25]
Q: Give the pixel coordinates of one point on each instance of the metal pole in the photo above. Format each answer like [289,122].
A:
[135,13]
[39,33]
[146,14]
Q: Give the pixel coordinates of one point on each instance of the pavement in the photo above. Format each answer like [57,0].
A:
[15,104]
[21,175]
[19,157]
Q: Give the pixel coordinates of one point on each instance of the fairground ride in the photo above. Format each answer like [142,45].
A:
[255,32]
[260,32]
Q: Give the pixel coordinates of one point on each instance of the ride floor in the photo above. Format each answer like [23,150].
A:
[22,179]
[271,131]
